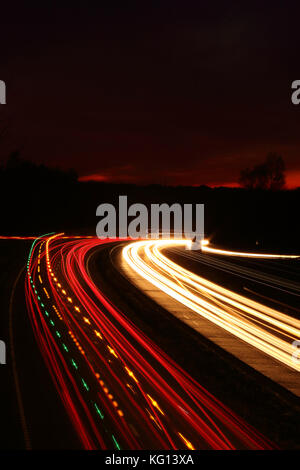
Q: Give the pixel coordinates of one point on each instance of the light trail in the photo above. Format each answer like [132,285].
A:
[118,387]
[243,272]
[207,249]
[16,237]
[267,329]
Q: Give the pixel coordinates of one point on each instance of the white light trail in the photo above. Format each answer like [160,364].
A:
[265,328]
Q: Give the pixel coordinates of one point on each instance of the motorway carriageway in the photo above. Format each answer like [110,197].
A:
[121,391]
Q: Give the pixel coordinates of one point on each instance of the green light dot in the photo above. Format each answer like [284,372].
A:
[115,442]
[98,411]
[85,385]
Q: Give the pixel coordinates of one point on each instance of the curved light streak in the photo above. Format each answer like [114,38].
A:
[241,254]
[265,328]
[119,388]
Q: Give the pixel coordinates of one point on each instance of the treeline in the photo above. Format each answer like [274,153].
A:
[37,199]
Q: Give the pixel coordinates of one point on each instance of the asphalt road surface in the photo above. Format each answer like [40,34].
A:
[107,383]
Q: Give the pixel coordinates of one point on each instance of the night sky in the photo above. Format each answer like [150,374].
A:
[172,92]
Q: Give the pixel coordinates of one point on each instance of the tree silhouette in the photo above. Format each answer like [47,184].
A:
[267,175]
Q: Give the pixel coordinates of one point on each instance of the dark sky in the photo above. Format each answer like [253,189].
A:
[176,92]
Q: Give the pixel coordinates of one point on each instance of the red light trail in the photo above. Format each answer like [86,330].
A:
[119,388]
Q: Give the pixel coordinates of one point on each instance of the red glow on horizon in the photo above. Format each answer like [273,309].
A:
[292,180]
[94,177]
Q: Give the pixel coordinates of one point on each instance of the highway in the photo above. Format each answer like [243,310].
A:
[267,329]
[120,390]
